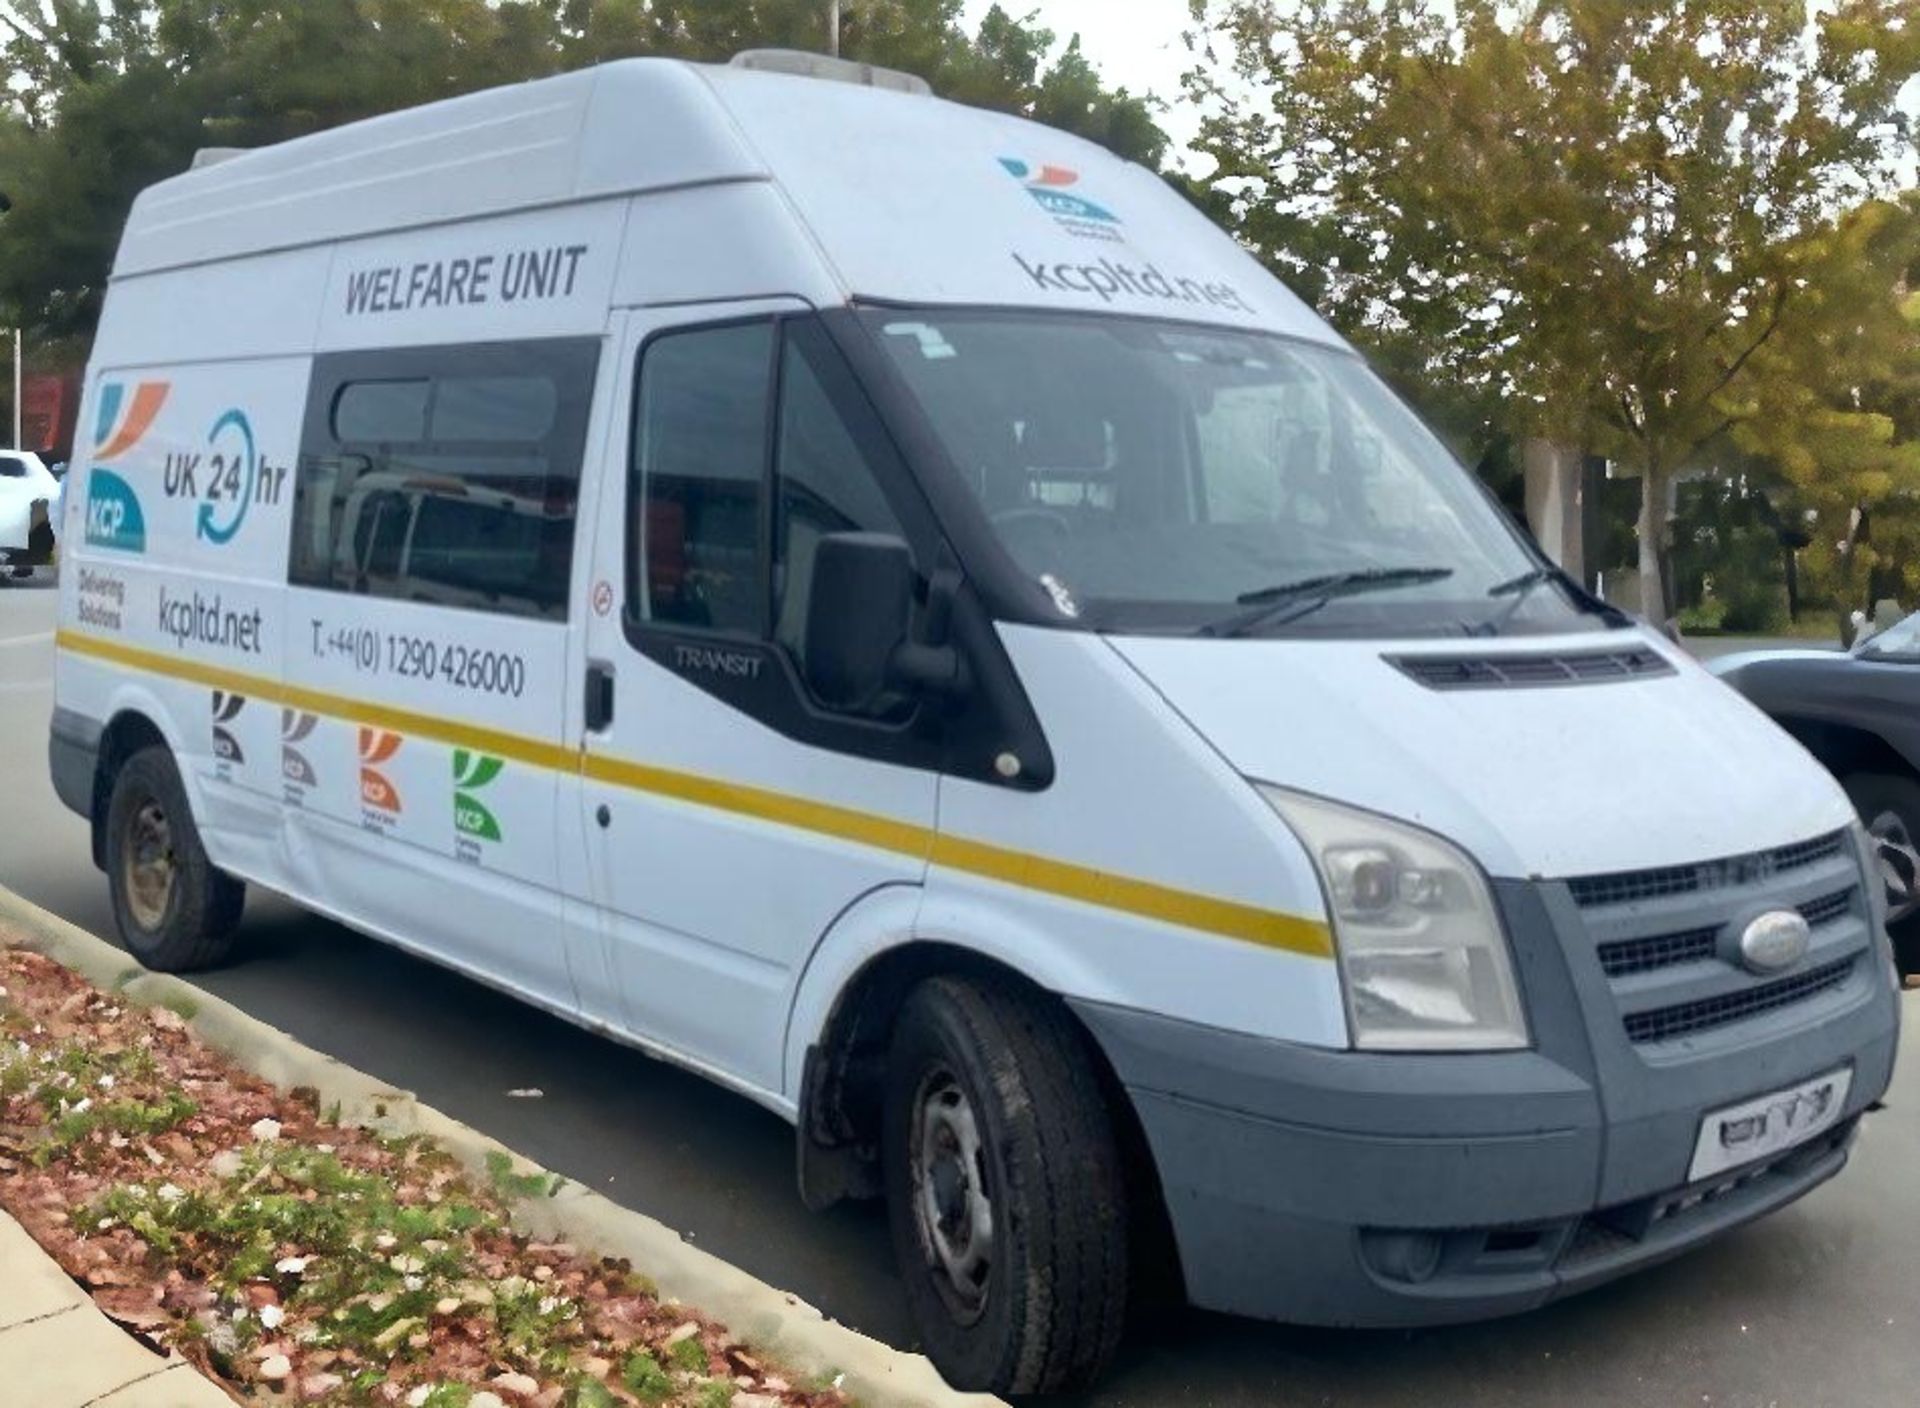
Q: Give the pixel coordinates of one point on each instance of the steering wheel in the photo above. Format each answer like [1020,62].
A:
[1008,517]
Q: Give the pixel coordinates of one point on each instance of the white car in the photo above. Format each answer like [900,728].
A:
[29,507]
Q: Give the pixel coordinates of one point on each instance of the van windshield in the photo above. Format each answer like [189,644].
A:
[1160,477]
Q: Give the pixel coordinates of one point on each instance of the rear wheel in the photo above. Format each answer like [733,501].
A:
[1005,1189]
[175,910]
[1889,805]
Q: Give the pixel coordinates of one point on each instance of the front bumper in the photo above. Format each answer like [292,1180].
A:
[1344,1188]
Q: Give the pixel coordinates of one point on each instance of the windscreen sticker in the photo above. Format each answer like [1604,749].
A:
[933,343]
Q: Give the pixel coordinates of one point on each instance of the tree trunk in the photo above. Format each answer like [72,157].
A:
[1652,532]
[1856,530]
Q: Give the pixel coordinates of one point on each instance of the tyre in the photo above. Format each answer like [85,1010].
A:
[1889,804]
[176,912]
[1005,1189]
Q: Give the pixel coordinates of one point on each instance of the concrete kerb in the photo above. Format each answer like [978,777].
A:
[772,1321]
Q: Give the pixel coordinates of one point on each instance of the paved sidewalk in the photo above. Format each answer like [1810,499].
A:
[58,1351]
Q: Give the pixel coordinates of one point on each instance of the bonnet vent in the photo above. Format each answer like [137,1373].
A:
[1531,671]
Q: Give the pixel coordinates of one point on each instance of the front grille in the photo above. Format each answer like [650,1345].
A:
[1829,909]
[1664,939]
[1631,886]
[1530,671]
[1626,956]
[1660,951]
[1686,1018]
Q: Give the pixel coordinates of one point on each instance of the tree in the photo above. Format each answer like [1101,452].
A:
[1835,415]
[106,97]
[1605,212]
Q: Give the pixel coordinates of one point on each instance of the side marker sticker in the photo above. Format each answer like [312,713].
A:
[226,708]
[471,817]
[379,798]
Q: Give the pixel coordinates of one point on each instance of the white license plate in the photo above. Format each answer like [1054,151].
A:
[1762,1128]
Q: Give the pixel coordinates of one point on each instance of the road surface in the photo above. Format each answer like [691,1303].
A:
[1818,1307]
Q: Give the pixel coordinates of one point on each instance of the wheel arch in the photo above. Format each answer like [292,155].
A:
[843,1022]
[133,726]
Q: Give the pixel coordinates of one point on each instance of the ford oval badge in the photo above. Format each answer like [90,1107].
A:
[1776,940]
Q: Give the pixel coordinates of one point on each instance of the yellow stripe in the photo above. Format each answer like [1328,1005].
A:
[1182,908]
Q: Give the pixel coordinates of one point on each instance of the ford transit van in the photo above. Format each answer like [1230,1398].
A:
[882,604]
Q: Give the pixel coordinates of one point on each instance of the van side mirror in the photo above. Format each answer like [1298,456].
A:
[859,609]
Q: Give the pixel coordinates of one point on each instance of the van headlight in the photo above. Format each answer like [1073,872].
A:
[1424,959]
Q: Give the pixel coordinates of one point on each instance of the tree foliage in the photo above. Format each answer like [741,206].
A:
[1620,218]
[108,96]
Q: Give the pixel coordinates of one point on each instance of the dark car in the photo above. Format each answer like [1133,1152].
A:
[1858,712]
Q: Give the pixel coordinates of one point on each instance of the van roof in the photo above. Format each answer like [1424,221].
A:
[903,197]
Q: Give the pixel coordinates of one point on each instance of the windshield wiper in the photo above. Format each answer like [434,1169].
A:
[1524,584]
[1311,593]
[1528,582]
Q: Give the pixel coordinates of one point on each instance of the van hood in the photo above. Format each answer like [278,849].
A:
[1534,781]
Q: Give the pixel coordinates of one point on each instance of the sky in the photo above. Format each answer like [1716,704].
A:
[1134,43]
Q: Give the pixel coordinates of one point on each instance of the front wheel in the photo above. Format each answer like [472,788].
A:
[175,910]
[1005,1189]
[1889,805]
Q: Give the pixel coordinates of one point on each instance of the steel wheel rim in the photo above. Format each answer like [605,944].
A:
[150,868]
[1899,863]
[952,1196]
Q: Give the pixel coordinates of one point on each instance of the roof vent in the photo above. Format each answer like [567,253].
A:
[804,65]
[213,156]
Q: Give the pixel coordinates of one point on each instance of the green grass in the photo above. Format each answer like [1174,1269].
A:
[373,1264]
[520,1186]
[647,1381]
[590,1393]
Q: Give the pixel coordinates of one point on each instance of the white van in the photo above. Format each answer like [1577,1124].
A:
[949,648]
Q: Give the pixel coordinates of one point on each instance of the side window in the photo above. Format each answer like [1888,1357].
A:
[826,485]
[446,475]
[699,479]
[11,468]
[752,442]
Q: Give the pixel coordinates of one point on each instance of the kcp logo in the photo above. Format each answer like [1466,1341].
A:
[376,790]
[121,423]
[1048,186]
[114,519]
[471,772]
[226,708]
[296,728]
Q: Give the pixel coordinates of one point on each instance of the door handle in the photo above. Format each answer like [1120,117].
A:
[599,698]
